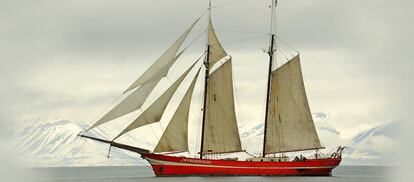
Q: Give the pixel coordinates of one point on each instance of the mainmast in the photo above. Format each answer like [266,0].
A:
[206,77]
[271,53]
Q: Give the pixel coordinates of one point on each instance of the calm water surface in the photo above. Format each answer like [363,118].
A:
[127,174]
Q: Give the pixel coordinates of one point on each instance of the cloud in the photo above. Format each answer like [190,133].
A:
[71,59]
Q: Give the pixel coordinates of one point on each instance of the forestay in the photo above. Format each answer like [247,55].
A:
[175,136]
[290,126]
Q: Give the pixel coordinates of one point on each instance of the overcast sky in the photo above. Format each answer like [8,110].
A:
[71,59]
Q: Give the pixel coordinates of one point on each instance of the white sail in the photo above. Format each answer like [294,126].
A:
[136,99]
[175,136]
[163,72]
[221,133]
[130,104]
[163,60]
[154,112]
[216,50]
[290,126]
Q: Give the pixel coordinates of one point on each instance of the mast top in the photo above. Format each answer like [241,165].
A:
[209,10]
[273,18]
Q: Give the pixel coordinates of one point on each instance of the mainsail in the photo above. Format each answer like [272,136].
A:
[154,112]
[175,136]
[290,126]
[221,133]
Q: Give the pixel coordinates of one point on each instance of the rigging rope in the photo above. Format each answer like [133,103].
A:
[228,3]
[104,136]
[237,31]
[195,40]
[197,117]
[162,128]
[103,111]
[239,107]
[135,159]
[278,38]
[242,40]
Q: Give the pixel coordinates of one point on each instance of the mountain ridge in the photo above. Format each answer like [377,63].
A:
[55,142]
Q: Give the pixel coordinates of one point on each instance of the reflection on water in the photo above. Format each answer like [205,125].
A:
[126,174]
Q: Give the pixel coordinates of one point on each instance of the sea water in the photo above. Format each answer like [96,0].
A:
[129,174]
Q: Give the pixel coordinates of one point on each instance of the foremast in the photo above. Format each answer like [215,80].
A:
[271,53]
[206,77]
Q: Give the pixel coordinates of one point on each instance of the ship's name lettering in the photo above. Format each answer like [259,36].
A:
[196,161]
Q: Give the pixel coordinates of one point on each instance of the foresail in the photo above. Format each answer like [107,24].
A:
[130,104]
[221,133]
[175,136]
[135,100]
[290,126]
[163,72]
[163,60]
[216,50]
[154,112]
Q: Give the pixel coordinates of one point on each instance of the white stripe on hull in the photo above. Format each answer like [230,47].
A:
[170,163]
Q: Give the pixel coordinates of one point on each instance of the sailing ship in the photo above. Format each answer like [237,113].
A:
[288,124]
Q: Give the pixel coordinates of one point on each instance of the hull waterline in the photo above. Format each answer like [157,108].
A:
[182,166]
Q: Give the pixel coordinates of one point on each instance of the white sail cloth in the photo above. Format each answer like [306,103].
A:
[290,126]
[155,111]
[216,50]
[175,136]
[130,104]
[163,60]
[136,99]
[221,133]
[146,82]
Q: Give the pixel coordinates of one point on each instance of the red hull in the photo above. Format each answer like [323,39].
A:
[182,166]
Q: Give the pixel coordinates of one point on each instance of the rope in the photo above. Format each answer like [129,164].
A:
[107,138]
[198,135]
[237,31]
[287,44]
[242,40]
[228,3]
[197,117]
[239,106]
[102,112]
[195,40]
[135,159]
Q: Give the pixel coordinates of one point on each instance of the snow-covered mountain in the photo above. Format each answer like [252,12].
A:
[252,134]
[374,146]
[54,142]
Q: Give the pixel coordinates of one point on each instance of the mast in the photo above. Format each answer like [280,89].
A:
[271,53]
[206,77]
